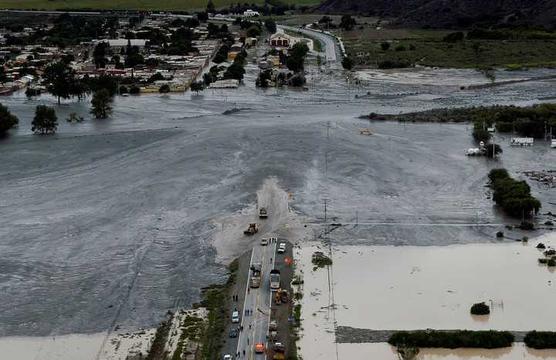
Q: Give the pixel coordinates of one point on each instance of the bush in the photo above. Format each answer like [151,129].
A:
[551,263]
[164,89]
[480,309]
[541,246]
[527,225]
[453,37]
[500,234]
[541,339]
[385,46]
[7,119]
[134,90]
[452,339]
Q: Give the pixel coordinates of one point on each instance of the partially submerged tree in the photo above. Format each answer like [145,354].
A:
[347,63]
[61,82]
[7,120]
[101,104]
[45,121]
[197,86]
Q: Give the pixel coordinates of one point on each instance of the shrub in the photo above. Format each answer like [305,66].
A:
[453,37]
[551,262]
[500,234]
[385,46]
[480,309]
[541,339]
[527,225]
[543,261]
[452,339]
[549,223]
[541,246]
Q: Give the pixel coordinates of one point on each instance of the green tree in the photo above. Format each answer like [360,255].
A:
[385,46]
[7,120]
[347,23]
[101,104]
[3,76]
[197,86]
[347,63]
[210,7]
[99,54]
[45,121]
[270,25]
[60,80]
[254,31]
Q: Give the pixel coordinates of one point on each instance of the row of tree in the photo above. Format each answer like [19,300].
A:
[513,196]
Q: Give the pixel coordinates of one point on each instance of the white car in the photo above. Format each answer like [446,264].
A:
[282,248]
[264,242]
[228,357]
[235,317]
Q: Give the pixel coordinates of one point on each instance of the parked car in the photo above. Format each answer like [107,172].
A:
[233,333]
[282,248]
[235,317]
[228,357]
[264,241]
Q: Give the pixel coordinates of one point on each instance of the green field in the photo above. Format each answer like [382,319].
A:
[425,47]
[129,4]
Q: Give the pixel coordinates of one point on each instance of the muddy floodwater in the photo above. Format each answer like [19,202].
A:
[112,223]
[412,287]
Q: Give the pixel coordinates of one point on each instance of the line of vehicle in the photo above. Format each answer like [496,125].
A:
[244,301]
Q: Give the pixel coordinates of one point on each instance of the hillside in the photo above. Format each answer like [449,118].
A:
[452,13]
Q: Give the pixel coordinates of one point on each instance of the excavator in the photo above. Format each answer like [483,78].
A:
[252,229]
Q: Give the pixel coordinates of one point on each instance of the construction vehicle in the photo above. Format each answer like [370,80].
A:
[263,214]
[252,229]
[281,297]
[255,275]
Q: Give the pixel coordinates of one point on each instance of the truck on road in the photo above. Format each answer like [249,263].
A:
[255,275]
[275,279]
[263,214]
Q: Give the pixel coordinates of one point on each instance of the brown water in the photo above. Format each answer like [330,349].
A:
[410,287]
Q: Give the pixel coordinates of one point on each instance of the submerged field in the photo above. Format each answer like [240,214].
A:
[128,4]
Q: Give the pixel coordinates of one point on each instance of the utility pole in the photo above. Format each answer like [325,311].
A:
[325,209]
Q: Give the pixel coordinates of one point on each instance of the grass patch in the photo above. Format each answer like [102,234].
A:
[215,300]
[157,348]
[452,339]
[193,329]
[427,48]
[129,4]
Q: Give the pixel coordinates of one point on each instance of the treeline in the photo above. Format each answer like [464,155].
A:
[526,121]
[452,339]
[513,196]
[470,339]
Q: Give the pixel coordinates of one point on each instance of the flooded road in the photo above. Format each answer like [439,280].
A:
[112,223]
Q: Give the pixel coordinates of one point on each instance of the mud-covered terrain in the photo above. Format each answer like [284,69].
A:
[111,223]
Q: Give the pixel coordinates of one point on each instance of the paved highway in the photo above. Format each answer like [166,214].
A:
[256,314]
[331,49]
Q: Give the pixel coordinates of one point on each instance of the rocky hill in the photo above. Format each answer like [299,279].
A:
[452,13]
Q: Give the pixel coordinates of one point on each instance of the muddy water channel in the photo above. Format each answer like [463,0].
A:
[112,223]
[407,288]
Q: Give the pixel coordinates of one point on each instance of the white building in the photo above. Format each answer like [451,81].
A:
[250,13]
